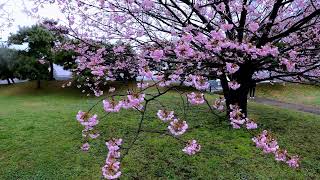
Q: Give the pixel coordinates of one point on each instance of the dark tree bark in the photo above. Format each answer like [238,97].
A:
[238,96]
[8,80]
[12,80]
[51,72]
[38,84]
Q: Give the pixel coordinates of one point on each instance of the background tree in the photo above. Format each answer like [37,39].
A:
[8,64]
[31,68]
[40,43]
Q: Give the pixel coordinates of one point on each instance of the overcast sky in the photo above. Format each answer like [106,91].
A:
[16,9]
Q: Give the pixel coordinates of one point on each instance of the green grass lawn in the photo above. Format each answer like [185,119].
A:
[40,139]
[293,93]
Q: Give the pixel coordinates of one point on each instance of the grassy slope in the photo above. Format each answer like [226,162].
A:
[40,139]
[293,93]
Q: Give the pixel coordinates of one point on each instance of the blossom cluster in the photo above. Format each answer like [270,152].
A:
[111,170]
[133,100]
[165,115]
[199,82]
[196,98]
[89,123]
[289,65]
[232,68]
[219,104]
[178,127]
[269,144]
[192,147]
[233,85]
[237,118]
[96,65]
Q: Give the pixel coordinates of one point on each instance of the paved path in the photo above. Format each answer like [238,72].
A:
[298,107]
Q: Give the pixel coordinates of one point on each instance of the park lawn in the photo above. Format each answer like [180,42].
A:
[40,139]
[292,93]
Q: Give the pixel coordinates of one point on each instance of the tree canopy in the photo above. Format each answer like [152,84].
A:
[236,41]
[8,64]
[40,43]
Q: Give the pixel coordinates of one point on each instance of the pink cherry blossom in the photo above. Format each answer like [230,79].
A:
[85,147]
[119,49]
[221,7]
[142,85]
[236,117]
[157,55]
[145,71]
[271,146]
[147,5]
[280,155]
[126,104]
[184,51]
[178,127]
[226,27]
[189,80]
[266,142]
[233,85]
[111,170]
[232,68]
[200,83]
[135,99]
[111,106]
[251,124]
[114,144]
[192,147]
[98,93]
[294,162]
[290,66]
[81,116]
[196,98]
[219,104]
[201,38]
[86,120]
[253,26]
[165,115]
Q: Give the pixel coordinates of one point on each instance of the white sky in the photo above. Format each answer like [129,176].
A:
[16,9]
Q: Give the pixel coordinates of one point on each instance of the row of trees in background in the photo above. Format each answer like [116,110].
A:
[48,46]
[8,63]
[33,63]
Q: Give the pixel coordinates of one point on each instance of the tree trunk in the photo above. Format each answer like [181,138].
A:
[51,72]
[38,84]
[238,96]
[12,81]
[8,80]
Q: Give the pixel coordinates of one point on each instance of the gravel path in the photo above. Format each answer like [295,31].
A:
[298,107]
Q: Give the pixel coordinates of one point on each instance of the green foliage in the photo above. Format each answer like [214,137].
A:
[30,68]
[65,59]
[40,41]
[40,46]
[40,139]
[8,62]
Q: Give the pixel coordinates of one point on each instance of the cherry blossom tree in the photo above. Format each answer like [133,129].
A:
[188,42]
[233,41]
